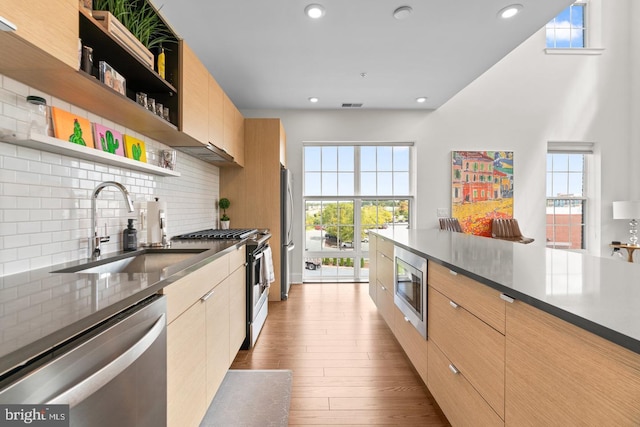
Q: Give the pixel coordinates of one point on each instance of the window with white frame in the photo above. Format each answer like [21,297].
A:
[349,190]
[567,201]
[569,28]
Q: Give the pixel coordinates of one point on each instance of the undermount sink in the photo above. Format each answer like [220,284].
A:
[147,262]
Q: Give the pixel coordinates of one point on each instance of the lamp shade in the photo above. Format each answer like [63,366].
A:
[626,210]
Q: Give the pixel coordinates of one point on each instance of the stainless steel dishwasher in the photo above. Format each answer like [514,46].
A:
[111,375]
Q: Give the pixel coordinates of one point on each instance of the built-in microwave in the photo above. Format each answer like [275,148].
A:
[410,288]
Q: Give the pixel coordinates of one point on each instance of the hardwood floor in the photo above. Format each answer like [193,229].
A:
[348,369]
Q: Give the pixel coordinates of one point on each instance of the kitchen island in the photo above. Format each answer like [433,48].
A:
[520,334]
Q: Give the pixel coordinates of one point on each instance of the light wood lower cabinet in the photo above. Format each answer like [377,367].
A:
[558,374]
[186,368]
[384,290]
[217,336]
[237,311]
[472,346]
[413,344]
[488,362]
[457,398]
[206,326]
[373,267]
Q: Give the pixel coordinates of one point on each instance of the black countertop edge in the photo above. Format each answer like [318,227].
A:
[21,357]
[595,328]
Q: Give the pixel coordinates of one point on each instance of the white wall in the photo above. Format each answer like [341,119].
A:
[45,202]
[524,101]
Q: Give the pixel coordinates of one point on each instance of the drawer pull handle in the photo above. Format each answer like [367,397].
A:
[207,295]
[453,273]
[507,298]
[453,304]
[406,319]
[453,369]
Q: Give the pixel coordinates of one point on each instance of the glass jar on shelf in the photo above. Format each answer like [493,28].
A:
[38,115]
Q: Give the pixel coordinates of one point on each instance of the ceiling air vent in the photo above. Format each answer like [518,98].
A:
[349,105]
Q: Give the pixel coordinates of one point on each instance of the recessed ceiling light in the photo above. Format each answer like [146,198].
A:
[314,11]
[510,11]
[422,99]
[402,12]
[313,99]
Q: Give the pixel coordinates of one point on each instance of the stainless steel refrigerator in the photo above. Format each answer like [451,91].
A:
[286,234]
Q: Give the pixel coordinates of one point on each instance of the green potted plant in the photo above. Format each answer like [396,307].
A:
[224,204]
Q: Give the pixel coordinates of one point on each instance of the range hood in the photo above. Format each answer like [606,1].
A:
[208,153]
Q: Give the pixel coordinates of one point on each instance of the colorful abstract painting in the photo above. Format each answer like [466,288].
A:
[134,148]
[70,127]
[108,140]
[481,189]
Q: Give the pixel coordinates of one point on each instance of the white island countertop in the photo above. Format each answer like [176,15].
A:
[599,294]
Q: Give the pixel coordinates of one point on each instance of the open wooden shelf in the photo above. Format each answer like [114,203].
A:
[42,71]
[58,146]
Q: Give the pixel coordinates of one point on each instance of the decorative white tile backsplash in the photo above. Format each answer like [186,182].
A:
[45,206]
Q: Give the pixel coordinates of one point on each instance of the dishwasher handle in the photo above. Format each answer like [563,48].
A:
[85,388]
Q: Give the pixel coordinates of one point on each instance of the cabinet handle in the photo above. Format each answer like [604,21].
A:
[207,295]
[453,369]
[453,304]
[383,288]
[507,298]
[406,319]
[383,255]
[453,273]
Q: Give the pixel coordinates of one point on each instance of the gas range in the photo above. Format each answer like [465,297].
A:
[219,234]
[257,238]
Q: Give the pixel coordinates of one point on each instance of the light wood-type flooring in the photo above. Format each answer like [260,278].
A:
[348,369]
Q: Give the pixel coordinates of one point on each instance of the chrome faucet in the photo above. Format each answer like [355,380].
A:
[96,239]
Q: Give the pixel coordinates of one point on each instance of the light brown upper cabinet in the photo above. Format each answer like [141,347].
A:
[233,131]
[51,26]
[194,94]
[216,113]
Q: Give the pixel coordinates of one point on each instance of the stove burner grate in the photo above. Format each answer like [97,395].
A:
[212,233]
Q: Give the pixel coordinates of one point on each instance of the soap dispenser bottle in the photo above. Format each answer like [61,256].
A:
[130,237]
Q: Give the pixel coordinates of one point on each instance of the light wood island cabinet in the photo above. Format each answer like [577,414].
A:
[373,267]
[385,280]
[559,374]
[204,310]
[491,360]
[462,314]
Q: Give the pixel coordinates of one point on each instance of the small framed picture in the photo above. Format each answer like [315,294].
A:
[112,78]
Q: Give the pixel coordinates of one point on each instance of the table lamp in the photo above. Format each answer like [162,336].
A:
[628,210]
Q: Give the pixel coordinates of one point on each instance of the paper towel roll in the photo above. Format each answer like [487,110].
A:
[154,226]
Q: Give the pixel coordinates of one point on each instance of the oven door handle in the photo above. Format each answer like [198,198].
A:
[85,388]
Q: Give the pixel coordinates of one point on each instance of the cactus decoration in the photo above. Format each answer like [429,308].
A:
[109,143]
[136,151]
[76,136]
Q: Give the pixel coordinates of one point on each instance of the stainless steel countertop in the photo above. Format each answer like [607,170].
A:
[40,309]
[599,294]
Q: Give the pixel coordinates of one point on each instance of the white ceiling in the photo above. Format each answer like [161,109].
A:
[268,54]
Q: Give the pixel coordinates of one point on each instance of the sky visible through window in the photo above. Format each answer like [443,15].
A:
[565,175]
[331,170]
[567,30]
